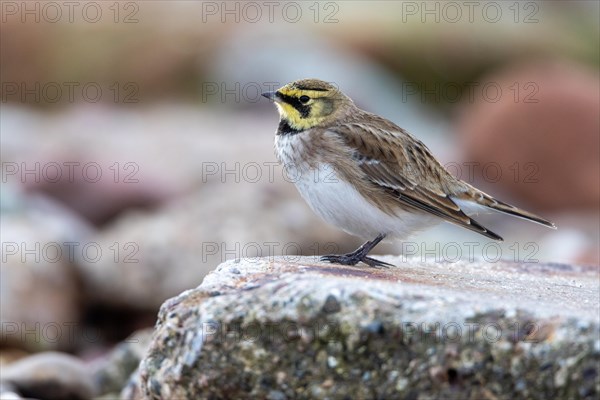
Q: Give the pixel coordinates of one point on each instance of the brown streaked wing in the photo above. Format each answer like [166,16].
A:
[401,165]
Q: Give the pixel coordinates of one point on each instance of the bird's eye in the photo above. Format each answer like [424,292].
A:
[304,99]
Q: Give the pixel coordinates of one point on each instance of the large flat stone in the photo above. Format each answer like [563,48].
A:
[282,328]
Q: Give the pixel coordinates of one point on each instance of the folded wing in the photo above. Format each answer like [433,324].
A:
[400,165]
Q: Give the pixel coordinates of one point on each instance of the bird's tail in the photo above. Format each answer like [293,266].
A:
[480,198]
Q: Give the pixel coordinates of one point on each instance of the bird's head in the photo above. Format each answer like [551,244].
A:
[307,103]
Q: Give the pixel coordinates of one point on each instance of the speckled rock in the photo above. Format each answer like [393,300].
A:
[132,390]
[277,329]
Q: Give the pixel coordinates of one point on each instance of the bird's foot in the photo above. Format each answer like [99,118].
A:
[359,255]
[353,259]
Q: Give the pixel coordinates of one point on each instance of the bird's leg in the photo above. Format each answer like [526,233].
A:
[358,255]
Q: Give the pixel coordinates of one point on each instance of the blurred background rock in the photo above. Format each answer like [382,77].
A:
[136,131]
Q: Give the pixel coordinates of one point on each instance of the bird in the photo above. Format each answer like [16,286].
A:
[366,175]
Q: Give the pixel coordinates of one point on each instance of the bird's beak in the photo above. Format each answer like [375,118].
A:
[274,96]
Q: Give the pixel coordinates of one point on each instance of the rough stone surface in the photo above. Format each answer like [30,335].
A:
[132,390]
[276,329]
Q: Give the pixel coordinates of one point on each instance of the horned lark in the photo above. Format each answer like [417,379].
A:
[366,175]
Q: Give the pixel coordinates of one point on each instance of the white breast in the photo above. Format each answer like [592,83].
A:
[339,203]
